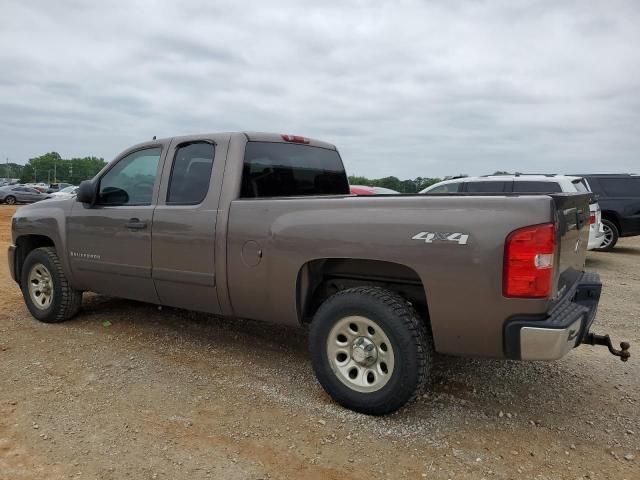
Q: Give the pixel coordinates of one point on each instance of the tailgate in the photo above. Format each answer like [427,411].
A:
[572,214]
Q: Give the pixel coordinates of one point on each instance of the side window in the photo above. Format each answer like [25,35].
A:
[486,187]
[131,180]
[190,174]
[527,186]
[284,170]
[446,188]
[621,187]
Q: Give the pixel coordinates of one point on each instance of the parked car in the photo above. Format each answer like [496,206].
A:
[66,192]
[364,190]
[528,184]
[56,187]
[20,194]
[270,231]
[619,198]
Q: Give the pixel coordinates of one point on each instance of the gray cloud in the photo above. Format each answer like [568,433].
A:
[403,88]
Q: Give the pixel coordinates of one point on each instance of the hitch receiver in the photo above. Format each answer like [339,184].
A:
[623,353]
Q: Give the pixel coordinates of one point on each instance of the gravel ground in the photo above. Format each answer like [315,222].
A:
[127,390]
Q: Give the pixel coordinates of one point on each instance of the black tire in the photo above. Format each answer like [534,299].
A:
[66,301]
[10,200]
[611,235]
[412,347]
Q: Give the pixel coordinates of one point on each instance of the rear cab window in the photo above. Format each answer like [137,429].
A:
[274,169]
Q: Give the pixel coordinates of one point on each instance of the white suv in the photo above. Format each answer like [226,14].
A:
[520,183]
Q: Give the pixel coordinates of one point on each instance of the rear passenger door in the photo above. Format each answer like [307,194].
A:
[184,225]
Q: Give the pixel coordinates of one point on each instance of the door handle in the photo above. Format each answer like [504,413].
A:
[136,224]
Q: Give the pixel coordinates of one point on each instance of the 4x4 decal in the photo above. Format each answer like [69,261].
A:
[431,237]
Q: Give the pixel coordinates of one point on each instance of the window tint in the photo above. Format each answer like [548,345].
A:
[191,174]
[621,187]
[446,188]
[285,169]
[131,180]
[581,186]
[536,187]
[487,187]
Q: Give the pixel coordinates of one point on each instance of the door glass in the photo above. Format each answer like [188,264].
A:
[131,180]
[532,186]
[486,187]
[446,188]
[190,174]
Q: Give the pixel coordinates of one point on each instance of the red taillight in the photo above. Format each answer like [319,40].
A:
[295,139]
[592,218]
[528,262]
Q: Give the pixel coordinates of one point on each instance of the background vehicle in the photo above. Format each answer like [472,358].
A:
[520,183]
[619,198]
[364,190]
[66,192]
[56,187]
[263,226]
[20,194]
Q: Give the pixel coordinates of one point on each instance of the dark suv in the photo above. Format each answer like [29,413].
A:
[619,199]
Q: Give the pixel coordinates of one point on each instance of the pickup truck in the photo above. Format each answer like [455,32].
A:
[262,226]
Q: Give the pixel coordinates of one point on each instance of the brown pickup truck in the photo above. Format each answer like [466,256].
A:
[262,226]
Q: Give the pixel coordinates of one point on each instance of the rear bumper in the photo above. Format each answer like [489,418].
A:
[552,336]
[12,261]
[596,236]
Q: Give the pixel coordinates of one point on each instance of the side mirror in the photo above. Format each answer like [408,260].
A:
[87,193]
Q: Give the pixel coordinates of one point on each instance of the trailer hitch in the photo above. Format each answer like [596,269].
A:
[623,353]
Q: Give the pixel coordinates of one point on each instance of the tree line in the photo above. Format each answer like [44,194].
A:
[52,168]
[394,183]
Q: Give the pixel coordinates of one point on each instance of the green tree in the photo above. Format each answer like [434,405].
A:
[52,168]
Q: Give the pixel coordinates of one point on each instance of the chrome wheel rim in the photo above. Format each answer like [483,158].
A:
[40,286]
[360,354]
[10,201]
[608,236]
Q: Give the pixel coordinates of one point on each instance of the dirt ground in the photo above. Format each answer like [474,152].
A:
[170,394]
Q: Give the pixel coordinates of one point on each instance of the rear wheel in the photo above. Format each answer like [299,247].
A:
[370,350]
[45,288]
[10,200]
[611,236]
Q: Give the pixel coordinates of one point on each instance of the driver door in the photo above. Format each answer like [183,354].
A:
[110,242]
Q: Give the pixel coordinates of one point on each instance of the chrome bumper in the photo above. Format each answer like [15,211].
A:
[565,326]
[548,343]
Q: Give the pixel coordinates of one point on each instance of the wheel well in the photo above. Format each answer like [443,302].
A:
[612,217]
[319,279]
[26,244]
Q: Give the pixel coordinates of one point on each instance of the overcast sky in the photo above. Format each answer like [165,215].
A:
[402,88]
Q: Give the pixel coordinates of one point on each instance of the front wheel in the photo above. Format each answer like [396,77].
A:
[370,350]
[611,235]
[10,200]
[45,288]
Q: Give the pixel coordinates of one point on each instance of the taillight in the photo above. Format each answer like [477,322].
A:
[294,139]
[528,261]
[592,218]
